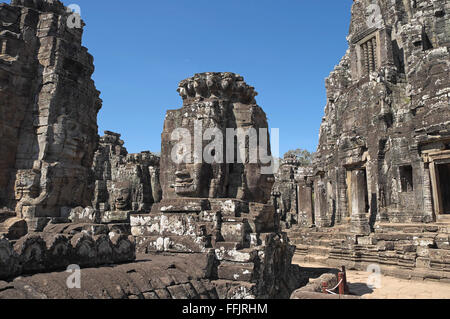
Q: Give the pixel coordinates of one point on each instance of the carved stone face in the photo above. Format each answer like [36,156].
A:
[192,180]
[122,196]
[69,140]
[217,101]
[26,185]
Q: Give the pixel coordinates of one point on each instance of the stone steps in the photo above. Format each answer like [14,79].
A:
[411,248]
[313,250]
[442,226]
[444,219]
[407,228]
[318,250]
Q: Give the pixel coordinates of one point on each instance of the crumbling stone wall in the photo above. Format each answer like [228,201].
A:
[285,192]
[48,112]
[386,124]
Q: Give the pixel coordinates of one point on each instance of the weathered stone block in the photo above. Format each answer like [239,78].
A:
[236,271]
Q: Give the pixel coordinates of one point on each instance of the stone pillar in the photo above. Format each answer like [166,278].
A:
[320,206]
[427,196]
[371,66]
[385,50]
[359,222]
[341,207]
[305,205]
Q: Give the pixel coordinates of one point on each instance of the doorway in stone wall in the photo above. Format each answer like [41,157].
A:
[443,181]
[351,187]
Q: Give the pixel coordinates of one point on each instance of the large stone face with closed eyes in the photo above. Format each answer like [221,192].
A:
[214,102]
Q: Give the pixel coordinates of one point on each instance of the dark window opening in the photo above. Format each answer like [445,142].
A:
[439,13]
[406,179]
[366,191]
[426,43]
[399,57]
[313,206]
[444,187]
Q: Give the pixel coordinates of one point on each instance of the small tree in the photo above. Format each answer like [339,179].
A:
[303,156]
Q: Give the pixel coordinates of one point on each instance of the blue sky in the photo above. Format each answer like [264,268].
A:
[284,48]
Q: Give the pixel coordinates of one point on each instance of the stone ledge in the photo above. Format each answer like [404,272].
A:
[36,253]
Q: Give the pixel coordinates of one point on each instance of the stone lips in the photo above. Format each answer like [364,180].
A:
[57,167]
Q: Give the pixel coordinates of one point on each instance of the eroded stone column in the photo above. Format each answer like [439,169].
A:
[320,204]
[427,196]
[305,204]
[342,208]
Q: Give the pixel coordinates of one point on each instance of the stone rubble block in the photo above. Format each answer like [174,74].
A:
[161,277]
[232,252]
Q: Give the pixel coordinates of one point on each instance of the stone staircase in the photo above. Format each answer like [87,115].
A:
[411,251]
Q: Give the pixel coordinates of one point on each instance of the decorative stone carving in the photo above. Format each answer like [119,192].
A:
[124,182]
[230,105]
[286,191]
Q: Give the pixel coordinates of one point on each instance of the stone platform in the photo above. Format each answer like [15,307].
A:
[239,237]
[410,251]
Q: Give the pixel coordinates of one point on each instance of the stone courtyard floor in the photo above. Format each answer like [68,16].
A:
[391,287]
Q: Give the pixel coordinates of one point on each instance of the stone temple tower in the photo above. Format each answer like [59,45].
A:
[48,112]
[219,209]
[383,161]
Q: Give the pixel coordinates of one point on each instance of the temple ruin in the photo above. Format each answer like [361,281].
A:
[378,190]
[151,226]
[144,226]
